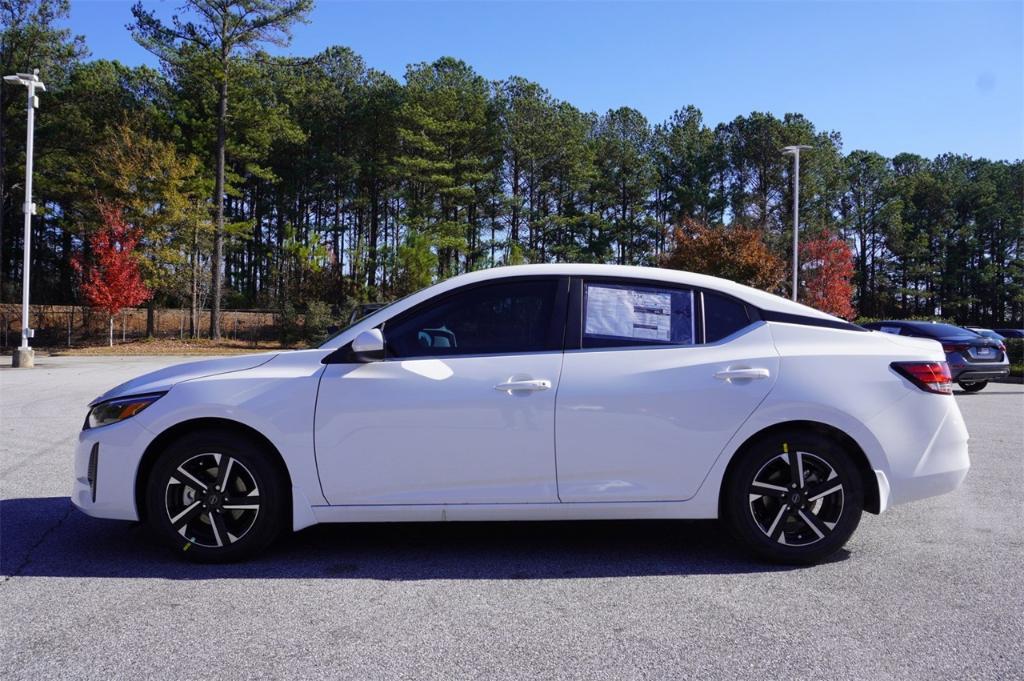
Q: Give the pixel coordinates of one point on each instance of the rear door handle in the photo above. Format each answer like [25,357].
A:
[748,374]
[532,385]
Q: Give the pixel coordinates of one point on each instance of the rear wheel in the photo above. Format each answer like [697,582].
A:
[795,497]
[972,387]
[216,497]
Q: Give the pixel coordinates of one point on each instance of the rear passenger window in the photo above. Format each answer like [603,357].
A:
[621,315]
[723,317]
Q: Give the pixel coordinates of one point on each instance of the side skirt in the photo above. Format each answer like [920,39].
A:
[494,512]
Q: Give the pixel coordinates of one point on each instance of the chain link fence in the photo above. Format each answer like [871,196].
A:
[73,325]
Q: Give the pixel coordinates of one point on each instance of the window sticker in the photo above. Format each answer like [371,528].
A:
[657,315]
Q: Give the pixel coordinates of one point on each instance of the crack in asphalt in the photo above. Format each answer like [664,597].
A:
[39,542]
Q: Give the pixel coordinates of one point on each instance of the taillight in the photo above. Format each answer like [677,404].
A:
[955,347]
[932,377]
[1002,347]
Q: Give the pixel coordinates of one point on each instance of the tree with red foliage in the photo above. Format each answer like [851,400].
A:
[111,279]
[736,253]
[827,273]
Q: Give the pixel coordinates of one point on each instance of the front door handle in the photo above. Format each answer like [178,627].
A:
[742,374]
[532,385]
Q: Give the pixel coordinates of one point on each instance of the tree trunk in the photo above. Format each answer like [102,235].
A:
[217,273]
[110,336]
[193,309]
[151,318]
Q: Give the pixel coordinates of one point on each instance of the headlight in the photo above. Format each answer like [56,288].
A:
[119,409]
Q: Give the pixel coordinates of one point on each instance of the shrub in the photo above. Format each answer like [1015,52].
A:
[288,324]
[318,318]
[1015,350]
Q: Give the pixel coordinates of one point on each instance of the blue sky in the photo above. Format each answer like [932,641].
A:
[923,77]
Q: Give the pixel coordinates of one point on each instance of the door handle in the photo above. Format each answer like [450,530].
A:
[532,385]
[741,374]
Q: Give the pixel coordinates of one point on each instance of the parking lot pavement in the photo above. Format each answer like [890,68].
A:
[928,590]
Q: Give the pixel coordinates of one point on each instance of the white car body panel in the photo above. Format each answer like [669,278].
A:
[620,433]
[435,431]
[646,424]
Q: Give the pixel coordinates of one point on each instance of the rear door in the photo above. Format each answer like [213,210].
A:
[658,380]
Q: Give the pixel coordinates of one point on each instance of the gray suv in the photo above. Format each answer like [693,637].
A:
[973,359]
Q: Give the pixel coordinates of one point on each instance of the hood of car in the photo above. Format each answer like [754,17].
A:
[164,379]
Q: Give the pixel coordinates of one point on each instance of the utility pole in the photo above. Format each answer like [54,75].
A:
[794,151]
[24,356]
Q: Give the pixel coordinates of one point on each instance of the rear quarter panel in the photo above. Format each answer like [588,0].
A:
[843,378]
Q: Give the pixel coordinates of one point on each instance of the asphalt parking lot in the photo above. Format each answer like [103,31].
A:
[928,590]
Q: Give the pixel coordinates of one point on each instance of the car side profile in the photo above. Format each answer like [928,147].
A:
[973,358]
[538,392]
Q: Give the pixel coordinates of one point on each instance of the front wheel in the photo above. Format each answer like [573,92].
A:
[794,497]
[972,387]
[216,497]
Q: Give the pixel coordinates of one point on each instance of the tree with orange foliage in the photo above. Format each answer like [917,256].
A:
[111,279]
[736,253]
[827,274]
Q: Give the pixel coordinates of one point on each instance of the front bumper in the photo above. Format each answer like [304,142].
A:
[109,492]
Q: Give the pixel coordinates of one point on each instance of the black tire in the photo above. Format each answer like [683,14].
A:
[972,387]
[189,511]
[787,524]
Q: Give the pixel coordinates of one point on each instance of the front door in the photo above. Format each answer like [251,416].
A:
[460,411]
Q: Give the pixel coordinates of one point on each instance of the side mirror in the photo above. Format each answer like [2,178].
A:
[368,346]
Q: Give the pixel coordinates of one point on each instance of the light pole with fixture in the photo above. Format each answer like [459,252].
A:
[24,356]
[794,151]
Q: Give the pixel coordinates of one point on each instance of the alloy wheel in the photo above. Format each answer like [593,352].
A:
[796,498]
[212,500]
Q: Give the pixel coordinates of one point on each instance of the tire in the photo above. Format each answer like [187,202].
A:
[973,387]
[187,511]
[795,525]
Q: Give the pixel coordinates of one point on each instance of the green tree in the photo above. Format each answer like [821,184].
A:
[221,30]
[30,38]
[445,155]
[625,180]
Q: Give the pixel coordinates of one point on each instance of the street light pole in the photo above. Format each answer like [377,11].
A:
[794,151]
[24,356]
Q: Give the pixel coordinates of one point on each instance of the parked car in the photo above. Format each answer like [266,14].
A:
[541,392]
[987,333]
[1010,333]
[973,359]
[362,310]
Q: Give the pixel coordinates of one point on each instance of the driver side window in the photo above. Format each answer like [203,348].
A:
[502,318]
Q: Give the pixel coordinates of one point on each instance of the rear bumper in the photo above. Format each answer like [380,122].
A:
[982,374]
[925,441]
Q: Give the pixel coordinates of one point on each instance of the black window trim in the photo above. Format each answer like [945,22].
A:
[555,334]
[574,339]
[805,320]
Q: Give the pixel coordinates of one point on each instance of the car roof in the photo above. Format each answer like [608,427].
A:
[756,297]
[759,299]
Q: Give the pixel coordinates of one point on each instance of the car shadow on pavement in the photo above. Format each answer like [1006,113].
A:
[47,537]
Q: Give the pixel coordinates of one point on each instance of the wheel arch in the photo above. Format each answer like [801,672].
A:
[160,442]
[872,498]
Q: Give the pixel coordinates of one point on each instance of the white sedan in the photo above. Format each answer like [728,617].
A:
[541,392]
